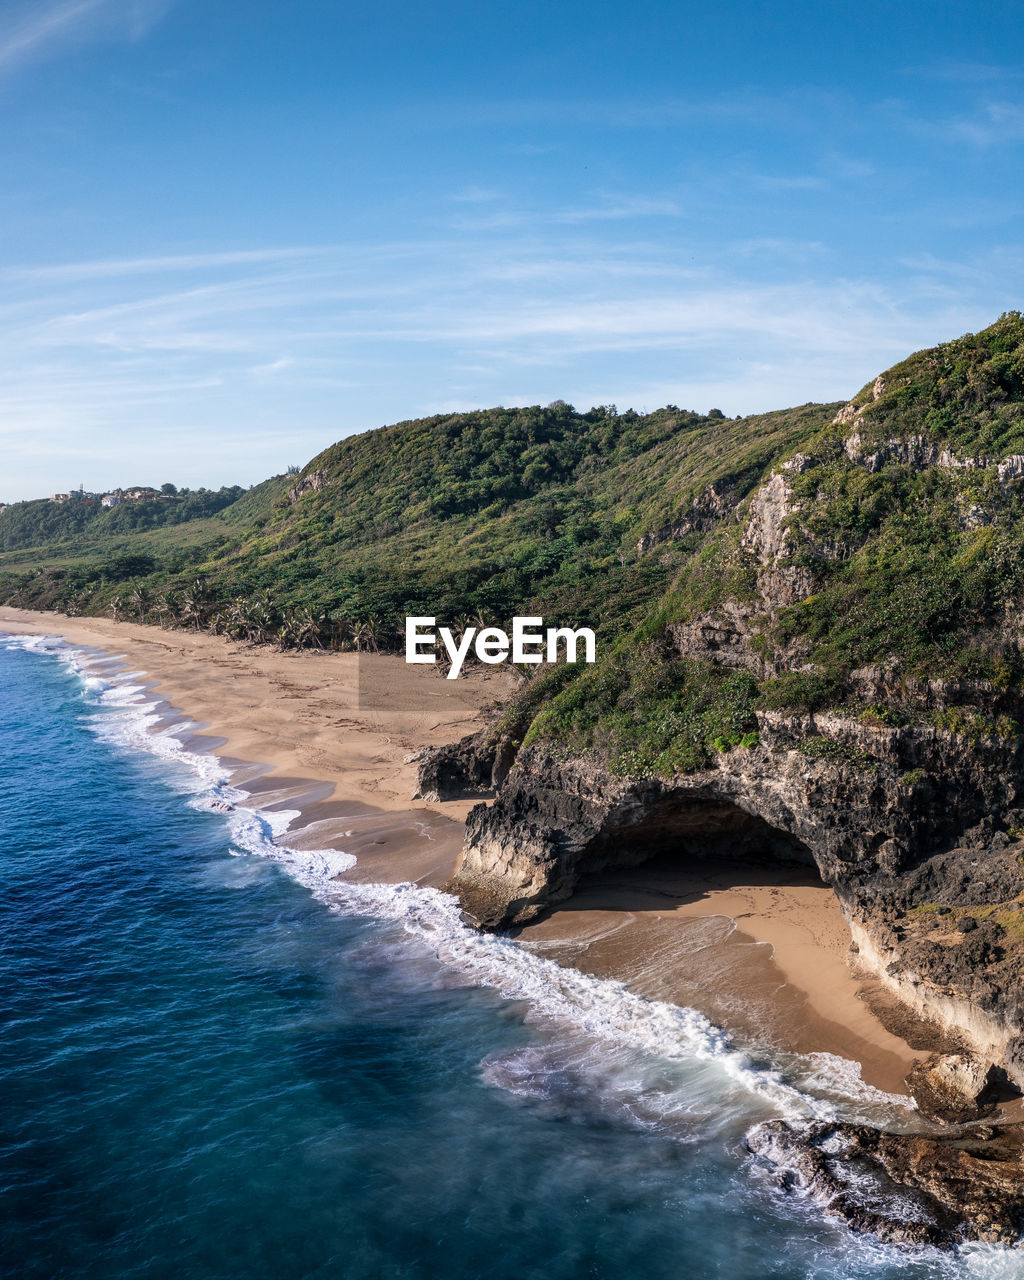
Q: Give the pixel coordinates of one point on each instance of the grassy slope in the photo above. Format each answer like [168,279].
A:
[540,510]
[920,564]
[499,512]
[915,566]
[504,511]
[40,535]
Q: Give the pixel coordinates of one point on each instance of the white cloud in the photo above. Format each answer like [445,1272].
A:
[105,268]
[991,123]
[35,30]
[965,72]
[476,195]
[260,352]
[615,210]
[40,27]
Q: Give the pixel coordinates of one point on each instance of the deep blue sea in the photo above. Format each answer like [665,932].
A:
[217,1061]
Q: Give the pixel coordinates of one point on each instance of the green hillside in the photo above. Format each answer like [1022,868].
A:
[899,567]
[497,512]
[811,544]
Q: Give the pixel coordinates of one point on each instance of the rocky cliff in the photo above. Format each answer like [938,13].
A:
[853,630]
[909,830]
[835,676]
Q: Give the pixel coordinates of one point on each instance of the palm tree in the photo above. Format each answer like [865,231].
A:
[264,617]
[341,632]
[141,601]
[164,608]
[217,623]
[376,631]
[238,619]
[195,600]
[289,630]
[191,609]
[309,630]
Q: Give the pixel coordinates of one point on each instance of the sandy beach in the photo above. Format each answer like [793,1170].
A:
[761,949]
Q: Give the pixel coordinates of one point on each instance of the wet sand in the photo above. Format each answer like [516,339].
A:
[761,949]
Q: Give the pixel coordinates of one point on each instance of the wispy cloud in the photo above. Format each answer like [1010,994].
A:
[264,355]
[38,30]
[988,123]
[779,247]
[995,123]
[616,210]
[109,268]
[533,304]
[964,71]
[609,208]
[474,194]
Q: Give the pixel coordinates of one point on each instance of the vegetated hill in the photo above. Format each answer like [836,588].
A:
[880,567]
[499,512]
[835,673]
[171,530]
[820,557]
[81,521]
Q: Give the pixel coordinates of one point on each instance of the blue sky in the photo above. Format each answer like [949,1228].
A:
[231,233]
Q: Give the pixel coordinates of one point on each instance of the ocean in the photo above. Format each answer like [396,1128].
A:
[219,1061]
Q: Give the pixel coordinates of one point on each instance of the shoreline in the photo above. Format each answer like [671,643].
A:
[759,949]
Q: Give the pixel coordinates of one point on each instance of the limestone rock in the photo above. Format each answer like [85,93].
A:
[456,770]
[768,537]
[309,483]
[904,1188]
[953,1087]
[710,506]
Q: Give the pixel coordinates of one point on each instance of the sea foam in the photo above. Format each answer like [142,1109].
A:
[608,1049]
[602,1010]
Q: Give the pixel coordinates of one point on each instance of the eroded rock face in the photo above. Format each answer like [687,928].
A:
[551,822]
[904,835]
[861,823]
[904,1188]
[474,766]
[768,537]
[458,769]
[715,503]
[953,1087]
[310,482]
[917,453]
[725,636]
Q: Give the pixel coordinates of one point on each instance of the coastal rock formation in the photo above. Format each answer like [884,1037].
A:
[710,506]
[904,1188]
[867,594]
[898,822]
[473,766]
[953,1087]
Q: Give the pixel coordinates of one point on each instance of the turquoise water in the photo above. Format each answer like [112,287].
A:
[218,1062]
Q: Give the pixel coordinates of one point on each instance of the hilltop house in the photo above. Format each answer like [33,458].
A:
[112,499]
[82,494]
